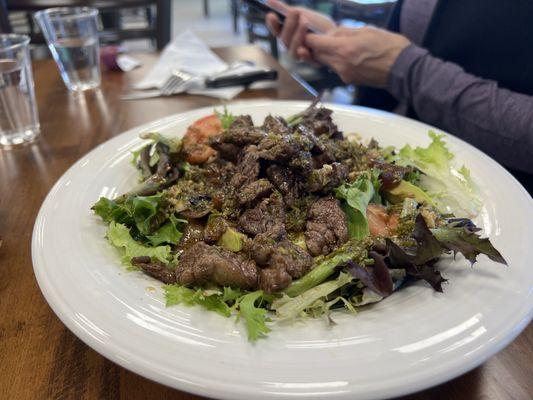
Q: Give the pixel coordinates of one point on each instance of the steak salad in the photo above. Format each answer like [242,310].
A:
[290,218]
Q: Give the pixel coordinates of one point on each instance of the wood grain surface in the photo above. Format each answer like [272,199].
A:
[39,357]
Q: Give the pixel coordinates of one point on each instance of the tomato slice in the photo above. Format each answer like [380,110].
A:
[197,135]
[380,223]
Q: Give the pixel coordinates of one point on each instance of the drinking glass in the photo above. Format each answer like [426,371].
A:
[19,122]
[72,36]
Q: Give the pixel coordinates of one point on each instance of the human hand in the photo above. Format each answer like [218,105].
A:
[362,56]
[295,27]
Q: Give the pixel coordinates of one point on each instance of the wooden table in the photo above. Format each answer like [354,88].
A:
[39,357]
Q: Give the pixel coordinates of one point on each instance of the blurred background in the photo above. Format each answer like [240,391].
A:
[148,25]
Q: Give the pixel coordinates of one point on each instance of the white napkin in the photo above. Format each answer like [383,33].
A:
[188,53]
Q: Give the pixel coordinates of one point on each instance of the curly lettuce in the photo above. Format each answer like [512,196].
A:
[119,236]
[255,317]
[452,189]
[292,308]
[356,197]
[226,118]
[171,232]
[143,215]
[249,306]
[213,300]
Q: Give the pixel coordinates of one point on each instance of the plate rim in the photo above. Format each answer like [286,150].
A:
[227,390]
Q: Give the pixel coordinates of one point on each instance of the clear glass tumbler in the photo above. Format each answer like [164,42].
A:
[72,36]
[19,122]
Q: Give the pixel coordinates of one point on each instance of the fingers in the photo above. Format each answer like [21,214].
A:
[289,26]
[344,31]
[303,53]
[322,48]
[272,19]
[278,5]
[298,38]
[321,44]
[273,24]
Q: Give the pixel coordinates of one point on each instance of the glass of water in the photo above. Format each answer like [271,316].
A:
[19,122]
[72,36]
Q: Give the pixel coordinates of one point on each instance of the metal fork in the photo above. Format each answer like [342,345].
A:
[171,86]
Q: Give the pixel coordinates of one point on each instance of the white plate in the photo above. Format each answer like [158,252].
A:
[414,339]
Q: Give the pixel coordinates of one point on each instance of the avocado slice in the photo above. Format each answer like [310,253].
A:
[407,189]
[232,240]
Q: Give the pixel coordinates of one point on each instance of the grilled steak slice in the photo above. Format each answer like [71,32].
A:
[282,261]
[291,258]
[267,217]
[214,229]
[202,264]
[247,168]
[254,191]
[155,269]
[275,125]
[286,181]
[327,178]
[326,226]
[242,132]
[273,280]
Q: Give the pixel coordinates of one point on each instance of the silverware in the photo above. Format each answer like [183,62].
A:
[180,82]
[173,82]
[172,85]
[232,66]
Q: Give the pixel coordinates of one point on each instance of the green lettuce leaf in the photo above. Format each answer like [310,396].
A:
[110,210]
[144,214]
[451,189]
[169,233]
[324,307]
[174,144]
[376,183]
[119,236]
[224,302]
[356,197]
[211,300]
[295,306]
[143,209]
[254,317]
[135,154]
[231,294]
[226,118]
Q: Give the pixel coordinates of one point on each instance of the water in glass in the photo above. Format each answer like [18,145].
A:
[72,36]
[19,122]
[78,61]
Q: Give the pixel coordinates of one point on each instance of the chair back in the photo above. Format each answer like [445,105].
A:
[5,25]
[158,29]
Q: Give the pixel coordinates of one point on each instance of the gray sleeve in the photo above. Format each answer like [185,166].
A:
[496,120]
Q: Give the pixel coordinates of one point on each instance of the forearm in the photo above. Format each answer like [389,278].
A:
[496,120]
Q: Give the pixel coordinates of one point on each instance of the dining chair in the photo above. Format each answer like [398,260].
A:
[5,25]
[158,29]
[257,30]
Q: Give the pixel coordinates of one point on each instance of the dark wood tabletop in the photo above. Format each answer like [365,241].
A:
[39,357]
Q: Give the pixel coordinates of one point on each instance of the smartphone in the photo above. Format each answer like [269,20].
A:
[262,5]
